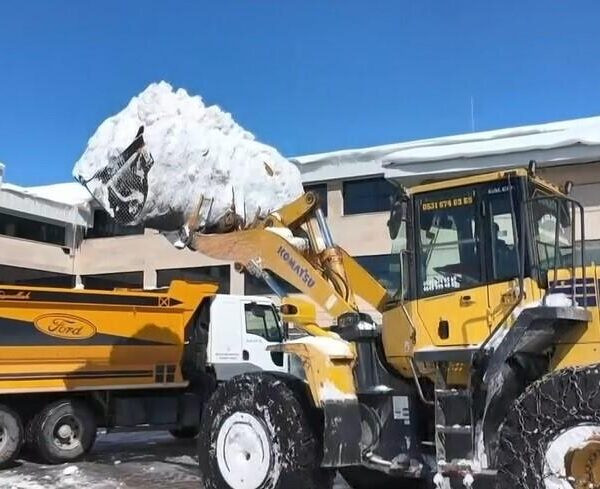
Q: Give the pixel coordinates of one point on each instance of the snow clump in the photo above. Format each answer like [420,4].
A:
[198,150]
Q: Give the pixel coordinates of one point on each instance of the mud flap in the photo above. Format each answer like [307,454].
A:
[342,434]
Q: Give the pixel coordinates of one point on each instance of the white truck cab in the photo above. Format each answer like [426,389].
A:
[241,328]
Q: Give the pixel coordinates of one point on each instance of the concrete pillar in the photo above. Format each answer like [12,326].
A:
[236,281]
[335,199]
[150,281]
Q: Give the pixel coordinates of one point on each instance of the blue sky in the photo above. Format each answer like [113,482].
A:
[304,76]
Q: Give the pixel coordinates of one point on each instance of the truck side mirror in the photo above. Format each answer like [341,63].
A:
[258,311]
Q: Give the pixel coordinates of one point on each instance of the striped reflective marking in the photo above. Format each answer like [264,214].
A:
[566,287]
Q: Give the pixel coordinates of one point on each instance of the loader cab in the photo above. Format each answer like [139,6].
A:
[473,247]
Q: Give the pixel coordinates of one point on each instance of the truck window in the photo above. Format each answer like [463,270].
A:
[449,253]
[262,321]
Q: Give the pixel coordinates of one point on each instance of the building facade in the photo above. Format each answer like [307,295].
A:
[53,236]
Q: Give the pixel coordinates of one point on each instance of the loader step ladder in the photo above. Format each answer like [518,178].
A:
[454,424]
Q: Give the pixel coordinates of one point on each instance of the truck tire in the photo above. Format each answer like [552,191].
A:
[11,435]
[187,433]
[257,433]
[363,478]
[555,414]
[63,431]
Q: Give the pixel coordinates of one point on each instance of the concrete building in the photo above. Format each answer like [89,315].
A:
[52,235]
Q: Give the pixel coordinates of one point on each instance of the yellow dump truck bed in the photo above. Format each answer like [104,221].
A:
[59,339]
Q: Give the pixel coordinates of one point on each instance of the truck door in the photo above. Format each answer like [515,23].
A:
[452,295]
[263,328]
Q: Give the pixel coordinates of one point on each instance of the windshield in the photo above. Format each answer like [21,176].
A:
[551,222]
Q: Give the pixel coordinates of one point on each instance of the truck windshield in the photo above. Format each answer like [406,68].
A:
[551,220]
[261,320]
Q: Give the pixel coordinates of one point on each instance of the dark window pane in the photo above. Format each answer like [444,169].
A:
[218,274]
[385,268]
[110,281]
[21,227]
[106,227]
[592,252]
[371,195]
[25,276]
[321,190]
[257,286]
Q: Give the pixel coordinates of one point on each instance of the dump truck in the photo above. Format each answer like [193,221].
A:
[72,361]
[484,371]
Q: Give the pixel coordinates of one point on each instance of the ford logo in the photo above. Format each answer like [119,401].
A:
[65,326]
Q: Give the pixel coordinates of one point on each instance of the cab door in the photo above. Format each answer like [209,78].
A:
[452,295]
[262,328]
[502,230]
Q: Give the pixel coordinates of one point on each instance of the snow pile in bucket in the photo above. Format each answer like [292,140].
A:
[198,150]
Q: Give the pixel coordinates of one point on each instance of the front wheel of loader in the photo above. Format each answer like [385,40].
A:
[549,438]
[11,435]
[257,433]
[363,478]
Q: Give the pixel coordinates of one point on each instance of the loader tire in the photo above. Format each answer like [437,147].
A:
[187,433]
[363,478]
[558,412]
[63,431]
[11,435]
[258,433]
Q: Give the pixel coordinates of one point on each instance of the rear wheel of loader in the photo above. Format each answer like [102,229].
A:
[62,431]
[11,435]
[549,438]
[187,433]
[363,478]
[256,433]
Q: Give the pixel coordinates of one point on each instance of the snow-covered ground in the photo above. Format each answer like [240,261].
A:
[143,460]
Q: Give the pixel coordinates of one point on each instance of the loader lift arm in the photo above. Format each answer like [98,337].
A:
[294,242]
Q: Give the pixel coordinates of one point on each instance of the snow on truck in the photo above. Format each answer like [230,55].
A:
[72,361]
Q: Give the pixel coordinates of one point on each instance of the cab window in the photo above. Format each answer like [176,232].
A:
[449,254]
[262,321]
[503,259]
[551,222]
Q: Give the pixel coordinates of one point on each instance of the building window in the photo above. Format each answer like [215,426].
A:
[110,281]
[321,190]
[106,227]
[257,286]
[34,230]
[27,276]
[385,268]
[370,195]
[218,274]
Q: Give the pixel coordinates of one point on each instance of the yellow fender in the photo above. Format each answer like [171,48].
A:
[328,364]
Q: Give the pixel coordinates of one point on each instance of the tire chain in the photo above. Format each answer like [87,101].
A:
[544,408]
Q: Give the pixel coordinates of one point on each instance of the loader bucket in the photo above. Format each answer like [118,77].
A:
[125,181]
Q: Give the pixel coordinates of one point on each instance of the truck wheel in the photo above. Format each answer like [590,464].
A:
[11,435]
[187,433]
[555,415]
[256,433]
[62,431]
[363,478]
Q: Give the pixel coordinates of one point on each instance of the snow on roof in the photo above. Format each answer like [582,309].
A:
[374,160]
[63,202]
[70,193]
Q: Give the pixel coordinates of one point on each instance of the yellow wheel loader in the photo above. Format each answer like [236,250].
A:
[484,372]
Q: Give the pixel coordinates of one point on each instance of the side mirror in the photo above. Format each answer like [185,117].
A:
[258,311]
[397,216]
